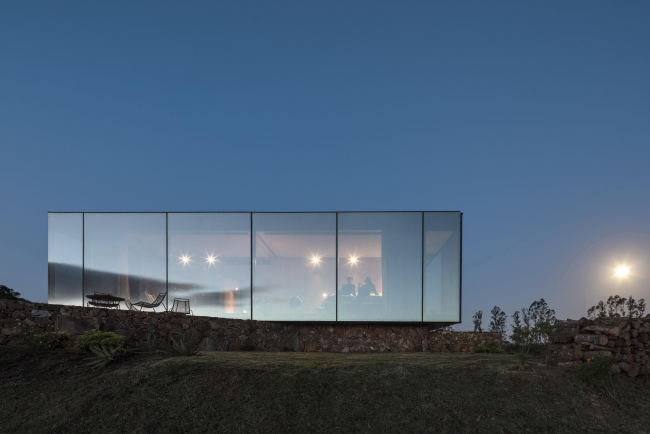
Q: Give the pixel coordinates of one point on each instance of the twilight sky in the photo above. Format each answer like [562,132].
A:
[532,119]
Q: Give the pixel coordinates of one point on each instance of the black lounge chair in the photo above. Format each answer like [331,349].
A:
[145,305]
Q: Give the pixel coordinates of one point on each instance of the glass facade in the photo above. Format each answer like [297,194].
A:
[442,266]
[345,266]
[294,267]
[210,262]
[124,255]
[380,266]
[65,258]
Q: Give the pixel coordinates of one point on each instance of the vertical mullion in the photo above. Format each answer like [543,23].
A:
[83,258]
[423,252]
[167,260]
[460,289]
[252,259]
[336,283]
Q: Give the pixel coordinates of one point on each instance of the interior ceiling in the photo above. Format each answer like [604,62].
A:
[228,245]
[289,245]
[294,245]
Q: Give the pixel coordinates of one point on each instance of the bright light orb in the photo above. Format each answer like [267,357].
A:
[324,294]
[353,260]
[210,259]
[315,260]
[185,259]
[622,271]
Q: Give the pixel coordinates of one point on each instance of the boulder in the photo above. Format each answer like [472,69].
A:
[75,325]
[17,314]
[223,344]
[41,314]
[573,364]
[633,369]
[207,344]
[64,311]
[10,331]
[294,343]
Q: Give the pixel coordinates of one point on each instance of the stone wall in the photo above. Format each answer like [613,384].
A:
[625,340]
[220,334]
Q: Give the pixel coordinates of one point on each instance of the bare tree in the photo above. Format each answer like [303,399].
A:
[478,321]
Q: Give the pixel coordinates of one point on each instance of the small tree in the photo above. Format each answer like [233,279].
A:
[538,323]
[522,336]
[516,321]
[597,311]
[478,321]
[545,329]
[498,320]
[9,294]
[635,309]
[617,307]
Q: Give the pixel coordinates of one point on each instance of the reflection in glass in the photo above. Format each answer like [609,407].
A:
[210,264]
[380,266]
[65,258]
[125,255]
[294,266]
[442,266]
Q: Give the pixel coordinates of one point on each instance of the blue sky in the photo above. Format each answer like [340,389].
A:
[531,118]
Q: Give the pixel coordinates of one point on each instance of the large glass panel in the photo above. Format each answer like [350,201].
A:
[294,266]
[442,266]
[65,258]
[125,255]
[380,266]
[210,262]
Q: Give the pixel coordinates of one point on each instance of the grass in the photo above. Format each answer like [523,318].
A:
[252,392]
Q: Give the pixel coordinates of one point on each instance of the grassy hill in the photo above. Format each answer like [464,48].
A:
[242,392]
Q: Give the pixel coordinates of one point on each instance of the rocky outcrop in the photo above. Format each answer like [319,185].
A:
[221,334]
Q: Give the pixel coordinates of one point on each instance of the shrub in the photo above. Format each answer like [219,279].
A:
[598,371]
[47,341]
[522,357]
[104,355]
[9,294]
[147,346]
[97,338]
[599,367]
[188,346]
[492,347]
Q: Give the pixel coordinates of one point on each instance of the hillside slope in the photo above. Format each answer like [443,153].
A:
[238,392]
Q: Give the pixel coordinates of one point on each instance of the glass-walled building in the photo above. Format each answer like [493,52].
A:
[400,267]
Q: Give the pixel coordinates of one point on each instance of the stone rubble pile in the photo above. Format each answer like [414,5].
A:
[626,340]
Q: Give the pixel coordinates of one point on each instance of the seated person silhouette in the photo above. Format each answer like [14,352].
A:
[348,288]
[368,288]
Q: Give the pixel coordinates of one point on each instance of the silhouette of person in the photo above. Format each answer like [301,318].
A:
[348,288]
[368,288]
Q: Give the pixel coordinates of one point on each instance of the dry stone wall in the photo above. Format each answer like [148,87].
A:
[220,334]
[626,340]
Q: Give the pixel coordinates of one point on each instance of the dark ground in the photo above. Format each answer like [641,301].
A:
[254,392]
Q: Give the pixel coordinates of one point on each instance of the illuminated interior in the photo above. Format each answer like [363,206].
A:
[345,266]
